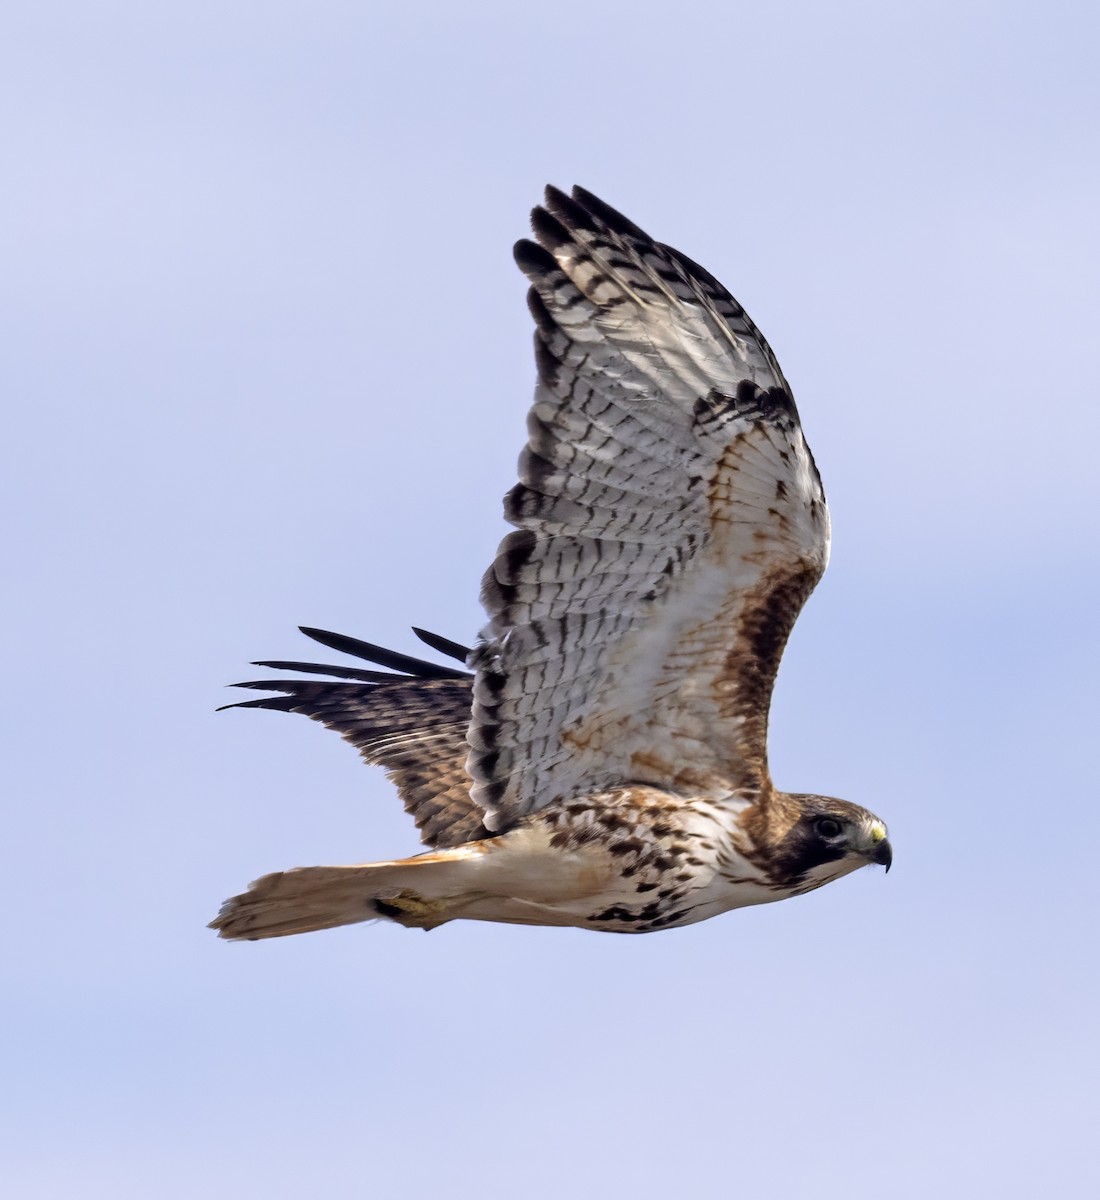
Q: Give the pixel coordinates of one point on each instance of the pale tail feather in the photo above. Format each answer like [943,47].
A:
[517,878]
[419,892]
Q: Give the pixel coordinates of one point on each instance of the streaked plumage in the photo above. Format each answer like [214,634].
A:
[605,765]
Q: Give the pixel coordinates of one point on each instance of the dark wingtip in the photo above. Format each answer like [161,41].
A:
[532,259]
[276,703]
[380,655]
[307,668]
[611,217]
[552,194]
[568,211]
[550,232]
[443,645]
[318,635]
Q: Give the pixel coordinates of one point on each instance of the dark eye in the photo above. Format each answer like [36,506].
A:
[827,827]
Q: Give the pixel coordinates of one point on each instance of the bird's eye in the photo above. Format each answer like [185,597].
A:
[827,827]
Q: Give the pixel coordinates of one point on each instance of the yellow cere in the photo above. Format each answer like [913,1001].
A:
[878,831]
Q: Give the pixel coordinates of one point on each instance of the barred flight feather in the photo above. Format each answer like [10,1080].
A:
[414,725]
[667,499]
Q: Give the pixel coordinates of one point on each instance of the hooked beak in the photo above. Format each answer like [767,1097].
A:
[881,853]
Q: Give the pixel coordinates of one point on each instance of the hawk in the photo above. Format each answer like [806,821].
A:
[599,758]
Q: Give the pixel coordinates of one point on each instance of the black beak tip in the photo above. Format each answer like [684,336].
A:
[884,855]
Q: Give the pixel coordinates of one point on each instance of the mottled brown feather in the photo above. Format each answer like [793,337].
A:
[414,728]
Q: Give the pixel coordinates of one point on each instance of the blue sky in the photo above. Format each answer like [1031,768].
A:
[266,362]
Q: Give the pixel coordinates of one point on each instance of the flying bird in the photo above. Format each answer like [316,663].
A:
[599,757]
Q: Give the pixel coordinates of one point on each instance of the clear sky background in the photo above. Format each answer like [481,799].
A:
[265,361]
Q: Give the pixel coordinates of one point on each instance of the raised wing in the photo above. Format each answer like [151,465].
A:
[412,723]
[671,524]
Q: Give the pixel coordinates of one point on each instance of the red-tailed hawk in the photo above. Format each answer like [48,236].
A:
[605,764]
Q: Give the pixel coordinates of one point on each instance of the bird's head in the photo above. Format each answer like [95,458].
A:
[827,838]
